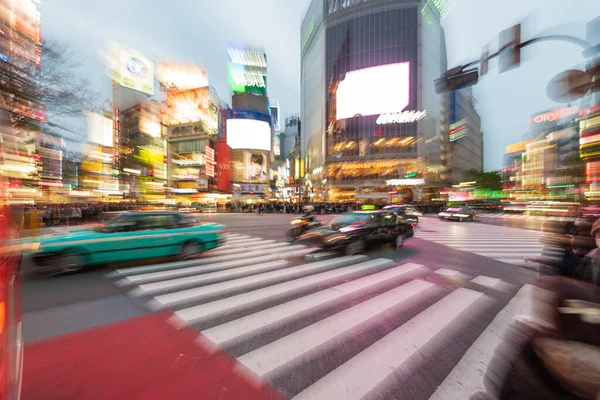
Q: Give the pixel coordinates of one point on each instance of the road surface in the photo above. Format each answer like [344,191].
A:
[417,323]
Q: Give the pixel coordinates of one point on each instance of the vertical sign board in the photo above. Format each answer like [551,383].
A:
[209,155]
[223,166]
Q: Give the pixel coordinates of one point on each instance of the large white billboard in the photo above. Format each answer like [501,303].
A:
[100,129]
[248,134]
[377,90]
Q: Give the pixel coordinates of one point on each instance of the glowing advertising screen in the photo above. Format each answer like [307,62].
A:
[248,134]
[100,129]
[136,72]
[176,78]
[247,70]
[378,90]
[192,106]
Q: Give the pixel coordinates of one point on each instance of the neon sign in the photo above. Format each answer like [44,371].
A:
[554,115]
[405,182]
[401,117]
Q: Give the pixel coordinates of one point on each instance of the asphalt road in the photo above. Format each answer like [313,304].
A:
[312,326]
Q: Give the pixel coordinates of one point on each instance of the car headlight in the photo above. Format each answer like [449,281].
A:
[296,221]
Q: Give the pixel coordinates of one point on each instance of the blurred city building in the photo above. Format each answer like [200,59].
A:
[192,126]
[23,151]
[464,135]
[393,143]
[250,126]
[291,135]
[550,162]
[141,152]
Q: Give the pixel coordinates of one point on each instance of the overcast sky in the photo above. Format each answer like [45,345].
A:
[197,31]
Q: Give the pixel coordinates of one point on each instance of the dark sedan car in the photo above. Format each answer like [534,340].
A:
[352,232]
[458,214]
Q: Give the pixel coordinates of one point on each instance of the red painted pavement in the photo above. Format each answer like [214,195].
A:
[155,356]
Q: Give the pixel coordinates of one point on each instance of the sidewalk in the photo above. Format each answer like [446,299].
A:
[155,356]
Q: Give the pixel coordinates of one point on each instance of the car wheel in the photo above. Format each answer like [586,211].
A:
[399,242]
[190,250]
[67,263]
[461,219]
[355,248]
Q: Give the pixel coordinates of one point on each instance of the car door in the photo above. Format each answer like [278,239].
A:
[376,228]
[389,227]
[135,237]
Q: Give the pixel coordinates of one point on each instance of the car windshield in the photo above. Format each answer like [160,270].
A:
[349,219]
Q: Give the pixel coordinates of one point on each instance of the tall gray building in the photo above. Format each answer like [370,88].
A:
[465,136]
[370,115]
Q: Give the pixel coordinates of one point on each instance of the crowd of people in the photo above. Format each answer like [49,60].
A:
[50,215]
[320,208]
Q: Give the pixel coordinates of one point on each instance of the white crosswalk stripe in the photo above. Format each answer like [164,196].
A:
[509,245]
[329,326]
[519,216]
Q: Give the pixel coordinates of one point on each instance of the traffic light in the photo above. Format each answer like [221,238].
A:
[454,80]
[510,52]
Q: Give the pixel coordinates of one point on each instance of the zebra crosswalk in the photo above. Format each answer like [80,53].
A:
[326,326]
[509,245]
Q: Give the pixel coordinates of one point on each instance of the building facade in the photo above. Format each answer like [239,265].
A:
[465,136]
[369,109]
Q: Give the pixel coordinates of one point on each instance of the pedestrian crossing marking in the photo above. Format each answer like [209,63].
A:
[250,304]
[505,244]
[447,272]
[388,354]
[486,281]
[230,333]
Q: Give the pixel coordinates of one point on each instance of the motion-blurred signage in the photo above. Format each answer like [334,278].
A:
[554,115]
[401,118]
[176,77]
[136,72]
[209,155]
[247,114]
[195,105]
[150,119]
[405,182]
[247,70]
[458,130]
[223,166]
[128,68]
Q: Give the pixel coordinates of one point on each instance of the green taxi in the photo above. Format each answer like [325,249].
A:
[130,236]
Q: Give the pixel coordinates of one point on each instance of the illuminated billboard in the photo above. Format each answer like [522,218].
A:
[128,68]
[378,90]
[247,70]
[100,129]
[192,106]
[256,167]
[136,72]
[176,78]
[248,134]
